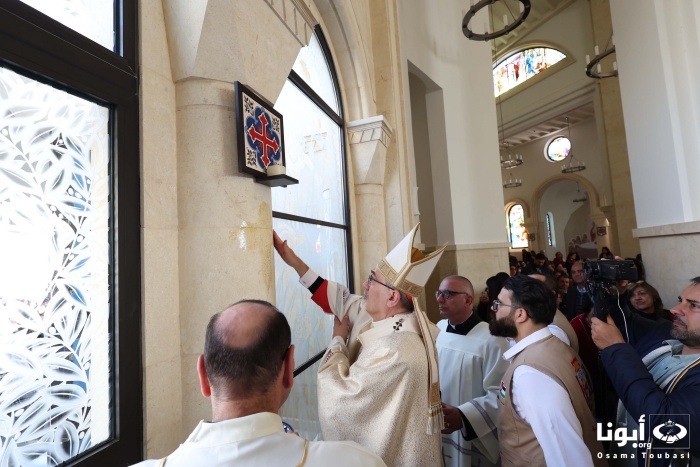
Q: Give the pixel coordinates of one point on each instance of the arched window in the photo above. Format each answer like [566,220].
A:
[551,239]
[520,66]
[517,233]
[313,215]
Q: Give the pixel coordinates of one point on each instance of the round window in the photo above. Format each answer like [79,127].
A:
[557,149]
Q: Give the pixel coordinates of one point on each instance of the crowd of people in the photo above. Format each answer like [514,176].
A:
[538,370]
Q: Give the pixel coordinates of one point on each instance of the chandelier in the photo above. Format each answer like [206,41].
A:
[511,162]
[580,198]
[573,165]
[487,36]
[594,68]
[513,182]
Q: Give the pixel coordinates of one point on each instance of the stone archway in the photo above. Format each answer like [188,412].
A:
[597,216]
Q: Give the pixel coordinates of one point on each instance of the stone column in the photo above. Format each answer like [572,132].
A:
[224,217]
[369,139]
[600,220]
[657,47]
[624,220]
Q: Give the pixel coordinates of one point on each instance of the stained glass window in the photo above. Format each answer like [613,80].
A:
[54,286]
[550,230]
[311,216]
[516,227]
[517,68]
[558,149]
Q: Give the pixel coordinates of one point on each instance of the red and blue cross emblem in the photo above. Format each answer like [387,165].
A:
[263,138]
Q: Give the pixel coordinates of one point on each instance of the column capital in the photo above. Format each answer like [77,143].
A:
[370,129]
[233,41]
[369,138]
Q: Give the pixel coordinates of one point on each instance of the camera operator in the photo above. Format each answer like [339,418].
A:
[606,282]
[663,386]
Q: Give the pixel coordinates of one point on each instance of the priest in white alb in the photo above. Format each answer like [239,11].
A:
[471,368]
[378,382]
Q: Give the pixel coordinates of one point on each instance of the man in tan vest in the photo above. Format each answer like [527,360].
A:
[546,398]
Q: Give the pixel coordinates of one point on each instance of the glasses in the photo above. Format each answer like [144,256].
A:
[371,279]
[447,294]
[497,303]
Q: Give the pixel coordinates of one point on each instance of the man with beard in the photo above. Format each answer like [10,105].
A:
[471,367]
[545,400]
[378,381]
[664,386]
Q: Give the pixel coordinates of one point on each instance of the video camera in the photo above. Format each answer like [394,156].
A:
[608,271]
[601,275]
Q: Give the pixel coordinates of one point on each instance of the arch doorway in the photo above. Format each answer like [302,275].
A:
[568,217]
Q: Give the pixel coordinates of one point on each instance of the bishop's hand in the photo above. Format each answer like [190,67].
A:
[341,328]
[288,255]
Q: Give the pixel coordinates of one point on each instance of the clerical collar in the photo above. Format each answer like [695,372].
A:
[463,328]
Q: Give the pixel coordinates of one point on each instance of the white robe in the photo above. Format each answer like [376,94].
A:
[381,400]
[259,440]
[471,368]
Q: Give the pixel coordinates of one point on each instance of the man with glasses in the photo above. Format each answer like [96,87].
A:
[577,298]
[247,372]
[378,381]
[545,398]
[471,368]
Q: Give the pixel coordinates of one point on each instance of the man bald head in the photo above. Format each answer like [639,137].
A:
[244,349]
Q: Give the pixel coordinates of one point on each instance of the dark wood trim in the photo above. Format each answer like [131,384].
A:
[305,89]
[307,364]
[57,55]
[307,220]
[37,46]
[343,146]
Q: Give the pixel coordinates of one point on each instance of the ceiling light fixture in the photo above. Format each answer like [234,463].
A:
[573,165]
[581,198]
[511,162]
[513,182]
[594,68]
[487,36]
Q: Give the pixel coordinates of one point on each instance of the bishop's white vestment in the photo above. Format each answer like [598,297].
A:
[380,400]
[471,368]
[375,390]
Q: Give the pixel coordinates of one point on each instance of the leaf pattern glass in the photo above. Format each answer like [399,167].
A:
[93,19]
[312,66]
[323,249]
[55,390]
[314,157]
